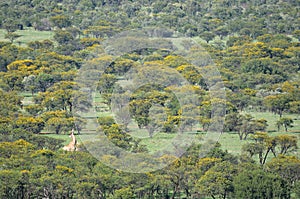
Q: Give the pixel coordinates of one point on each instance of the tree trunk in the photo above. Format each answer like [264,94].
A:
[240,135]
[246,135]
[286,128]
[174,192]
[266,155]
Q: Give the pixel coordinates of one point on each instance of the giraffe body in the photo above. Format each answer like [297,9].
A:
[72,145]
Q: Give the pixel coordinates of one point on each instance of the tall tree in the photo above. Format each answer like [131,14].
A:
[256,183]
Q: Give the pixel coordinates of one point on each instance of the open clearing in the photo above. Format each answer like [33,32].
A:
[28,35]
[229,140]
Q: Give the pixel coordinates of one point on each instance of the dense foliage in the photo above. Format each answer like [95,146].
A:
[254,44]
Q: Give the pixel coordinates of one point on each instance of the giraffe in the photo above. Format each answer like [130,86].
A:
[72,145]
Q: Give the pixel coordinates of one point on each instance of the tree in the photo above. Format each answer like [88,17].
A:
[44,81]
[106,121]
[261,65]
[120,138]
[59,124]
[120,66]
[218,180]
[61,21]
[256,50]
[287,143]
[11,36]
[58,121]
[256,183]
[10,103]
[45,44]
[296,34]
[157,117]
[63,37]
[287,167]
[101,31]
[139,109]
[207,36]
[106,83]
[125,192]
[277,103]
[247,125]
[30,124]
[263,145]
[286,122]
[9,183]
[295,107]
[64,95]
[232,121]
[34,109]
[120,108]
[13,80]
[30,83]
[10,25]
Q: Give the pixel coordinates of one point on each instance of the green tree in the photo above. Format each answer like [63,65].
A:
[58,121]
[256,183]
[30,83]
[86,189]
[157,117]
[101,31]
[217,182]
[262,65]
[10,25]
[288,167]
[207,36]
[297,189]
[263,146]
[106,121]
[248,125]
[285,122]
[9,183]
[64,95]
[44,81]
[296,34]
[287,143]
[125,192]
[30,124]
[60,21]
[106,83]
[63,37]
[10,103]
[11,36]
[118,137]
[45,44]
[277,103]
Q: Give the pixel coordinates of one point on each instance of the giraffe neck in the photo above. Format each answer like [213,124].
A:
[73,138]
[72,145]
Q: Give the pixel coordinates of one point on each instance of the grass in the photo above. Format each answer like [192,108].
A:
[229,141]
[272,119]
[158,142]
[66,138]
[28,35]
[232,143]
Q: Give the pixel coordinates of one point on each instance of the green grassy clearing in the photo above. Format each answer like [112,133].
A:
[28,35]
[272,119]
[229,140]
[66,137]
